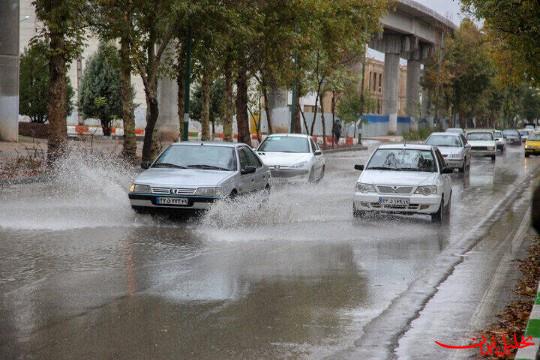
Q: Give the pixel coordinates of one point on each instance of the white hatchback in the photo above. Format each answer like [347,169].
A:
[404,179]
[293,157]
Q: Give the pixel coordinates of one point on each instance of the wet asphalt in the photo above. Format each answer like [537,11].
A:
[83,277]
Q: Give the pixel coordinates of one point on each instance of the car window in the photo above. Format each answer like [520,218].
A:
[444,140]
[243,157]
[313,147]
[206,157]
[534,137]
[252,159]
[290,144]
[403,160]
[482,136]
[510,133]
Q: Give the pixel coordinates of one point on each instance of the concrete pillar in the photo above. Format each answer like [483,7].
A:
[391,89]
[413,91]
[9,70]
[167,122]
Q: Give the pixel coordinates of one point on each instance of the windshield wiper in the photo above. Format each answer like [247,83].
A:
[380,168]
[207,167]
[163,164]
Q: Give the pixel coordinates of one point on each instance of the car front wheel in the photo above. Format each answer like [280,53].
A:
[438,217]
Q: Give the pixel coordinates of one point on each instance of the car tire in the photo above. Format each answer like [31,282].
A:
[311,178]
[233,195]
[439,216]
[322,174]
[493,157]
[527,155]
[357,213]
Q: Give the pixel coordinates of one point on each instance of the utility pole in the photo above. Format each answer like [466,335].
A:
[187,85]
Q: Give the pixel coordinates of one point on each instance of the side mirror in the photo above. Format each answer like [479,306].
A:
[248,170]
[318,152]
[359,167]
[447,170]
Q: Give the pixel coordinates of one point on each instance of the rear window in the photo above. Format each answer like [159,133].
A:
[288,144]
[486,136]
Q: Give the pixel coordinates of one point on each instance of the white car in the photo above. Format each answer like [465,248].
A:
[482,143]
[454,148]
[499,140]
[292,157]
[404,179]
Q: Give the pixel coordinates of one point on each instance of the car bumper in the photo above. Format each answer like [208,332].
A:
[484,152]
[290,175]
[418,204]
[513,141]
[195,203]
[454,163]
[530,151]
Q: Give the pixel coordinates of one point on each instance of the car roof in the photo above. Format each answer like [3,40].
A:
[479,131]
[445,134]
[210,143]
[291,135]
[406,146]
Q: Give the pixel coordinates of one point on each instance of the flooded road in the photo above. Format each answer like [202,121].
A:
[82,276]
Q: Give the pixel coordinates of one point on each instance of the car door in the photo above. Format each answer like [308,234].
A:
[467,148]
[445,178]
[260,178]
[246,181]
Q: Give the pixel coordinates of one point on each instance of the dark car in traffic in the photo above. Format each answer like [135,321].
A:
[512,137]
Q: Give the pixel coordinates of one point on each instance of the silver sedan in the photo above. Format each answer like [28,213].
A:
[191,176]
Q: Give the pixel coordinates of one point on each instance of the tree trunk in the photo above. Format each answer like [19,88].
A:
[323,120]
[267,110]
[152,113]
[205,110]
[129,151]
[333,113]
[228,111]
[316,107]
[180,81]
[242,120]
[56,106]
[106,126]
[297,125]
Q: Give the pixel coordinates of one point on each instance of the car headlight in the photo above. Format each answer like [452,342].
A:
[208,191]
[365,188]
[426,190]
[299,165]
[138,188]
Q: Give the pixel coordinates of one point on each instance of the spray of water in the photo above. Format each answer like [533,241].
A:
[86,189]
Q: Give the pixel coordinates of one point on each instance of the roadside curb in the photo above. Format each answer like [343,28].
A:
[25,180]
[352,148]
[533,330]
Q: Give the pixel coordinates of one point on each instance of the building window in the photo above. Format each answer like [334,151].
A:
[380,83]
[369,81]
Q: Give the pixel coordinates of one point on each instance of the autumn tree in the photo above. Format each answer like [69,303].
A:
[64,31]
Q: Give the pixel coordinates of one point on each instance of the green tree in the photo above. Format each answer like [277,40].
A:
[100,94]
[63,28]
[34,83]
[216,106]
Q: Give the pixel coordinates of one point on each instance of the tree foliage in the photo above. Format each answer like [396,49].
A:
[99,94]
[34,83]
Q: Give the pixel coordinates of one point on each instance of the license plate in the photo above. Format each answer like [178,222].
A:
[393,201]
[172,201]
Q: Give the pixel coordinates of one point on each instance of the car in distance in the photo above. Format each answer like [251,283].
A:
[456,131]
[190,176]
[532,145]
[454,149]
[292,157]
[512,136]
[524,134]
[499,140]
[404,179]
[482,143]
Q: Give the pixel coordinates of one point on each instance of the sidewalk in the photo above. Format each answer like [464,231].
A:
[533,330]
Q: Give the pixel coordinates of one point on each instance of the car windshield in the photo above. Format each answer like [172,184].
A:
[289,144]
[497,134]
[444,140]
[535,137]
[510,133]
[523,132]
[403,160]
[454,130]
[206,157]
[480,136]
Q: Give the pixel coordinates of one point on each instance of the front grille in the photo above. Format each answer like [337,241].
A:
[479,148]
[174,191]
[397,207]
[394,189]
